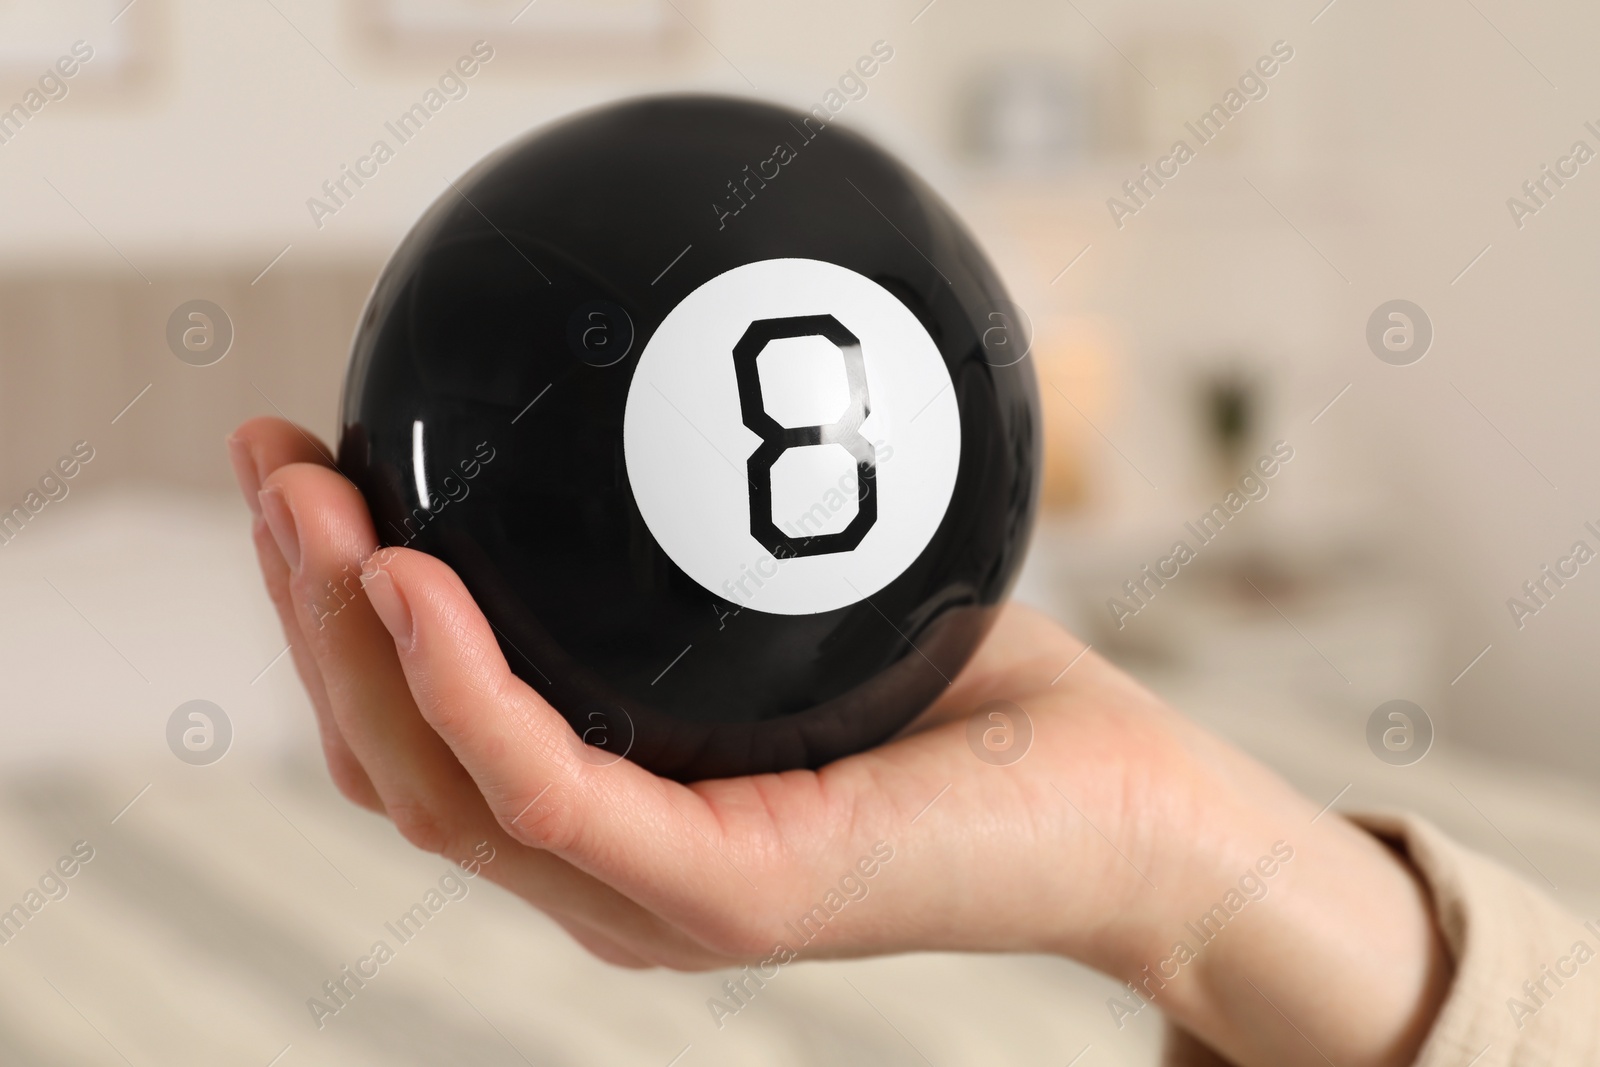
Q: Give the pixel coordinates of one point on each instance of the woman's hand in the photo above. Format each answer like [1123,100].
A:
[1121,827]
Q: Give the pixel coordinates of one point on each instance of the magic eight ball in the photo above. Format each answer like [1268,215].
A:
[722,417]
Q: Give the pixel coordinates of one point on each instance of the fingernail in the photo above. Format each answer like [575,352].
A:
[280,520]
[244,469]
[388,602]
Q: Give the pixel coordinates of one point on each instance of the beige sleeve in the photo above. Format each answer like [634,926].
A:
[1500,933]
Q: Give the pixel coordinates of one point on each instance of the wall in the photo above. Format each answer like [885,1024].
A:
[1377,167]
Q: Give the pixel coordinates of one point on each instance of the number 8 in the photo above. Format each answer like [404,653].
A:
[777,439]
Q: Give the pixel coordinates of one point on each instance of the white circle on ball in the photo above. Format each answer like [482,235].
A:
[687,446]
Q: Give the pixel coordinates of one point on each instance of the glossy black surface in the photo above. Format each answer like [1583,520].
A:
[499,325]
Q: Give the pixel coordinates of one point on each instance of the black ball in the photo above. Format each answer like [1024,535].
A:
[722,417]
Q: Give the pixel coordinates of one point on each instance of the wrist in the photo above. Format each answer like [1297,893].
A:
[1173,836]
[1336,956]
[1218,871]
[1275,933]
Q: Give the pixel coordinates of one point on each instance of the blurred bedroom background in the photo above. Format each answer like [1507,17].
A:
[1187,313]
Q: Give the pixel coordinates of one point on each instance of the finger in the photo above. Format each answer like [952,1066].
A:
[324,526]
[655,841]
[323,530]
[343,767]
[256,450]
[261,445]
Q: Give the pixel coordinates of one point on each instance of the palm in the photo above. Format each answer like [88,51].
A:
[766,849]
